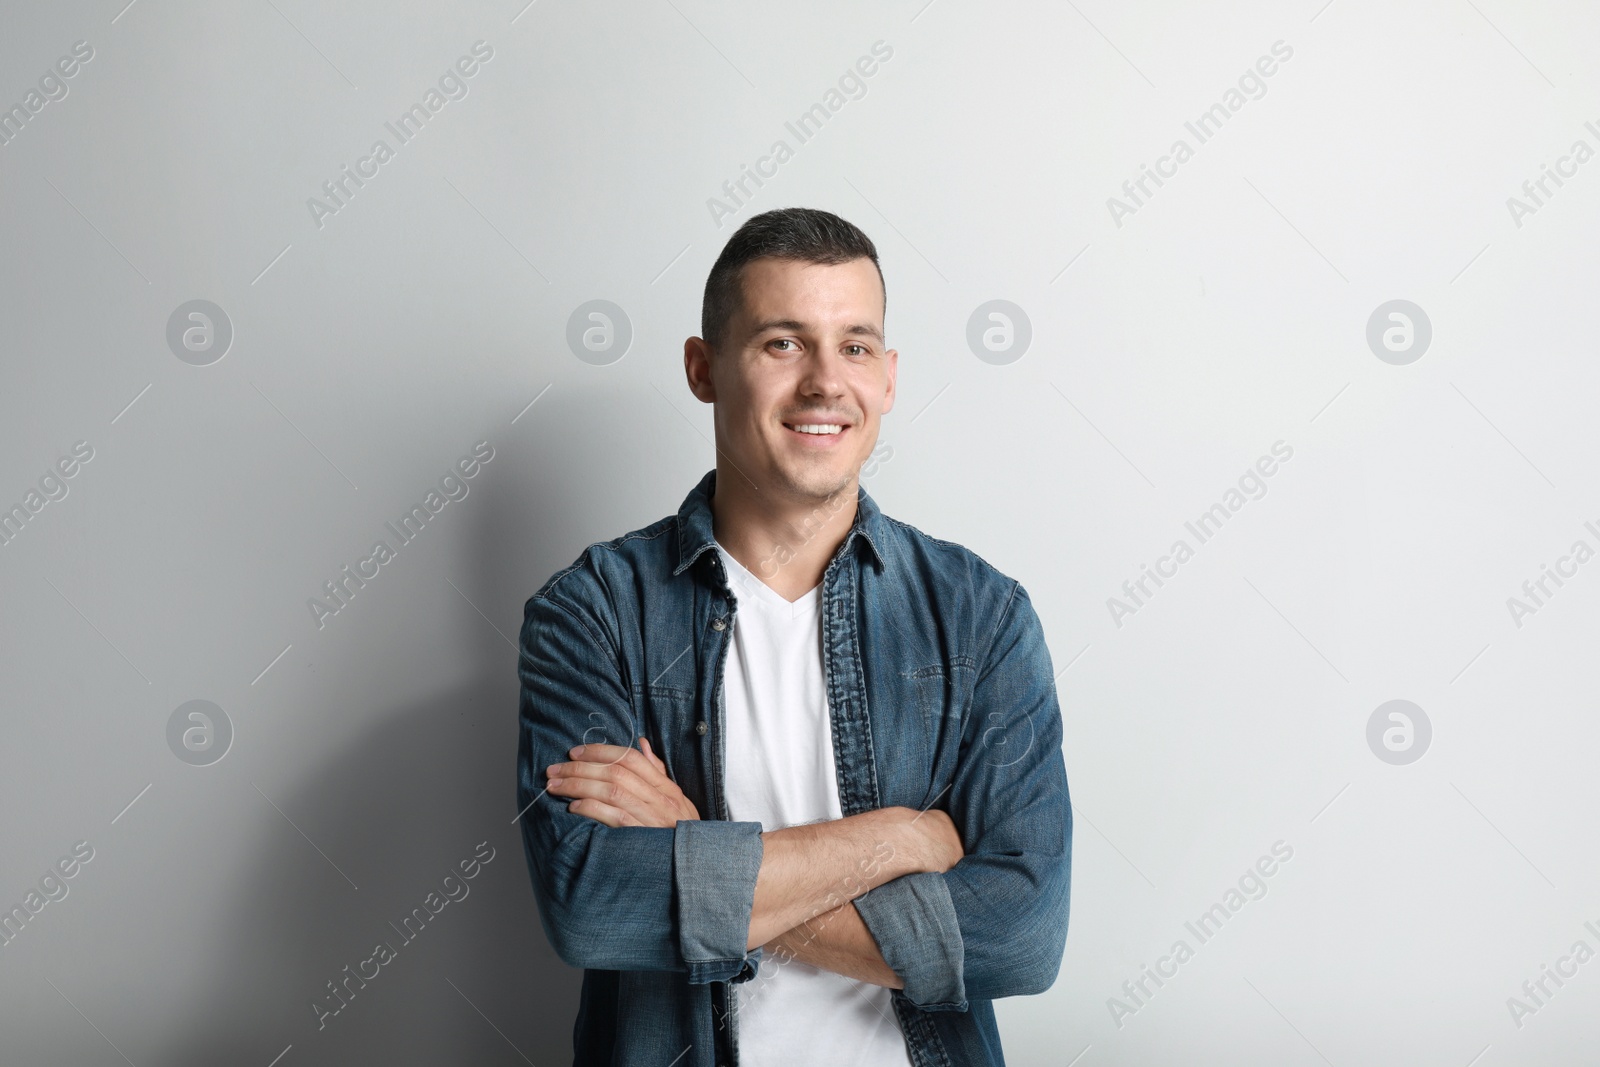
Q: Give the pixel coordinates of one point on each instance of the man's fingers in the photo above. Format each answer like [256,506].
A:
[602,781]
[597,752]
[631,764]
[646,766]
[631,780]
[614,784]
[600,811]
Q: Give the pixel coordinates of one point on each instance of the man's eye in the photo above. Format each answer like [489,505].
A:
[783,341]
[861,350]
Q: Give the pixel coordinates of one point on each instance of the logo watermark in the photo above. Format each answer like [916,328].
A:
[999,332]
[342,590]
[199,332]
[1537,192]
[1536,592]
[1252,885]
[1399,332]
[53,86]
[599,332]
[52,889]
[199,733]
[1399,732]
[52,487]
[1252,485]
[1136,192]
[452,889]
[339,190]
[851,85]
[1536,992]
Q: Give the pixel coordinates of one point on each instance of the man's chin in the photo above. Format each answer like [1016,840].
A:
[817,483]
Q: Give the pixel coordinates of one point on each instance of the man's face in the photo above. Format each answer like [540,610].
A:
[805,349]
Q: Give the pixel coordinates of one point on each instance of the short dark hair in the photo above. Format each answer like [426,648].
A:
[801,233]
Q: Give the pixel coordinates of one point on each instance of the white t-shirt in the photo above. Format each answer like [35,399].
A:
[780,772]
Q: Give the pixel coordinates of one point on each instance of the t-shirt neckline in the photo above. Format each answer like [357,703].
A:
[748,582]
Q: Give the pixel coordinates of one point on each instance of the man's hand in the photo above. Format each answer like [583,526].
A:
[620,786]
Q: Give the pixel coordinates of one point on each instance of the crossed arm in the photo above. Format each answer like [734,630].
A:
[804,895]
[880,895]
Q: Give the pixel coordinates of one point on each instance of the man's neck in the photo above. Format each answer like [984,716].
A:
[787,544]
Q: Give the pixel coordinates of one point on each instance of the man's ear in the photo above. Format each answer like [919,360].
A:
[894,363]
[697,369]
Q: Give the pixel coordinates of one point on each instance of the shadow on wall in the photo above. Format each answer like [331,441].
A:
[415,797]
[402,806]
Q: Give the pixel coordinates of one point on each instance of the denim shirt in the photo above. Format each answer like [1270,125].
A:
[941,695]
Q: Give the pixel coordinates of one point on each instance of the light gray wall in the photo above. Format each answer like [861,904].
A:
[1171,346]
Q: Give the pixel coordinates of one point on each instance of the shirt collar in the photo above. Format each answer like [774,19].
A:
[694,523]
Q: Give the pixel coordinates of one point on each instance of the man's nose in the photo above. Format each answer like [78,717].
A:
[824,374]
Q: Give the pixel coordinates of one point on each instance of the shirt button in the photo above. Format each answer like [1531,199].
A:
[719,624]
[701,727]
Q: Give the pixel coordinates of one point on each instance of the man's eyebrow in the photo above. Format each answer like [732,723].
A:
[794,325]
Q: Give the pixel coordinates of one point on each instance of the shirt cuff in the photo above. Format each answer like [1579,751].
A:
[913,920]
[714,868]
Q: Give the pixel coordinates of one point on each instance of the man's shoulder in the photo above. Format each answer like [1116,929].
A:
[923,557]
[647,551]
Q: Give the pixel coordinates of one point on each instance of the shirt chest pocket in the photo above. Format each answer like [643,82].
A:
[669,716]
[941,693]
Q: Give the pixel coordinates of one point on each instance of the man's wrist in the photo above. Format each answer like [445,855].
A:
[836,941]
[899,845]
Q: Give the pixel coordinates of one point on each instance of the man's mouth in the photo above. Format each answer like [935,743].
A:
[817,435]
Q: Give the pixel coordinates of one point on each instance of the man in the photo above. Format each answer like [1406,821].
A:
[845,828]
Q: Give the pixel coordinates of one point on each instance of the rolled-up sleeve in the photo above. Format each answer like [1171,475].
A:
[629,898]
[995,924]
[714,871]
[914,922]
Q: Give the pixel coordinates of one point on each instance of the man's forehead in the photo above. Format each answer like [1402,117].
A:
[790,325]
[853,296]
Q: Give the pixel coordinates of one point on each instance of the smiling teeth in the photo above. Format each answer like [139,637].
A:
[825,429]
